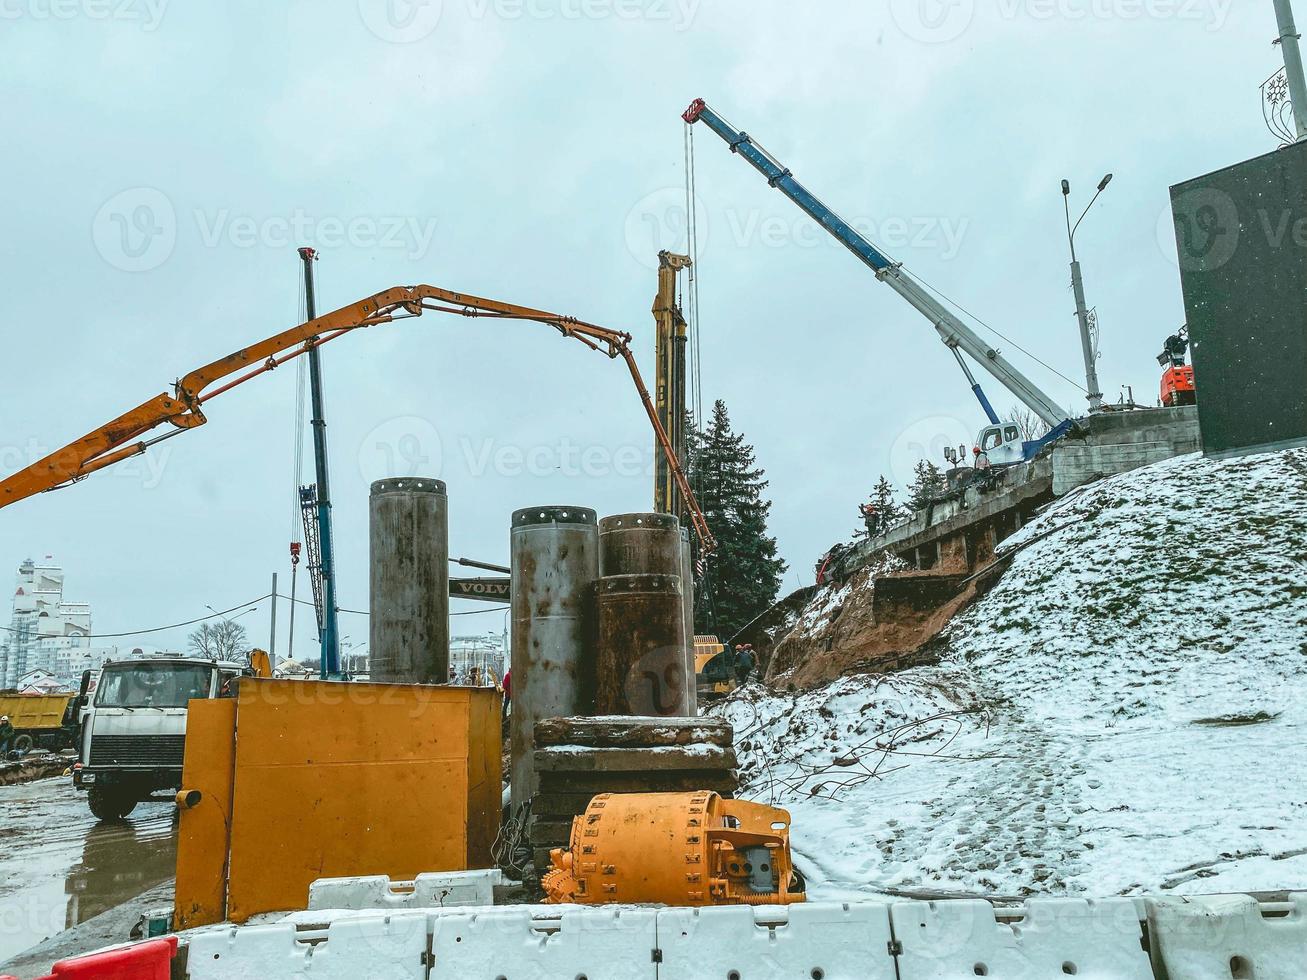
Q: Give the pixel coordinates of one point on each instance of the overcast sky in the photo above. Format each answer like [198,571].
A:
[163,160]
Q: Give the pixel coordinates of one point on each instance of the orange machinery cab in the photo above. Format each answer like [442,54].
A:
[1178,386]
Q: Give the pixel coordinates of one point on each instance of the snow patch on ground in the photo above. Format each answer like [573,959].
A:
[1123,713]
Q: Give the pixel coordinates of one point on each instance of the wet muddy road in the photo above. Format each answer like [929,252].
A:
[59,867]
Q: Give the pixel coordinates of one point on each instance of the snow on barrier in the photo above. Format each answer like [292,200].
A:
[829,941]
[426,891]
[1230,936]
[1041,939]
[379,945]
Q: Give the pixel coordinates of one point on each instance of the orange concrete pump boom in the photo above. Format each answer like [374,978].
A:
[122,438]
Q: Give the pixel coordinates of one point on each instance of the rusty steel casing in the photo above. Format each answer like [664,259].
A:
[680,849]
[555,562]
[641,664]
[640,544]
[654,544]
[687,605]
[409,581]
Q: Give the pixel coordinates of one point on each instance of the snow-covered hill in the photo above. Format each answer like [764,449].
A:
[1126,711]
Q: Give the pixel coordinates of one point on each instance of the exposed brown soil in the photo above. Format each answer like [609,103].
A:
[872,622]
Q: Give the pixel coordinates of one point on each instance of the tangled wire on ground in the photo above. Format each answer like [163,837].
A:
[787,775]
[512,847]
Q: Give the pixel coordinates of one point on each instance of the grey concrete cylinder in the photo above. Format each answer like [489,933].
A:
[687,604]
[555,562]
[409,581]
[641,669]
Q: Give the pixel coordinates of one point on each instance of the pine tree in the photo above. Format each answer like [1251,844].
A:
[882,495]
[745,574]
[927,483]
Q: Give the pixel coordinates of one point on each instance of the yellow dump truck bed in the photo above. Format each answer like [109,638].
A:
[35,712]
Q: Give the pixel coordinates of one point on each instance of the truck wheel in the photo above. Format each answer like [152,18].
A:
[23,744]
[109,805]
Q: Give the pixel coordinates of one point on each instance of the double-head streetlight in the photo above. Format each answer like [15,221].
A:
[1095,393]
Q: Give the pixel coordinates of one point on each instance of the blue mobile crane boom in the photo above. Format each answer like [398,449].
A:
[955,334]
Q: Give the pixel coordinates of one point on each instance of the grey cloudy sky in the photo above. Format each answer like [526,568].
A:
[164,159]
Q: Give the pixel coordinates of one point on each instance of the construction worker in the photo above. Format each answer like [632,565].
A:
[744,661]
[508,690]
[6,736]
[870,518]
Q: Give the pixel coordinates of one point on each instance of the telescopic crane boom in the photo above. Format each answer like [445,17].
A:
[122,438]
[956,334]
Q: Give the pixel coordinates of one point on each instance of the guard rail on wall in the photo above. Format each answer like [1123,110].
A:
[1221,938]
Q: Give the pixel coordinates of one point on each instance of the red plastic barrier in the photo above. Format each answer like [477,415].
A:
[143,961]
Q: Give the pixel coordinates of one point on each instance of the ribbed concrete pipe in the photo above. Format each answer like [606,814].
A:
[409,581]
[555,562]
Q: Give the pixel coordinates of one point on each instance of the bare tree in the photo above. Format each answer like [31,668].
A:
[1031,425]
[224,640]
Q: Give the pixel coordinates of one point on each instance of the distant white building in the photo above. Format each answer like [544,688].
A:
[39,681]
[47,632]
[476,660]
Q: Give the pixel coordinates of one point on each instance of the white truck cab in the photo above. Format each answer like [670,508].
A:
[1002,444]
[133,728]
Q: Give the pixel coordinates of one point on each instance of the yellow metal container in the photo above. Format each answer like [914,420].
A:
[330,780]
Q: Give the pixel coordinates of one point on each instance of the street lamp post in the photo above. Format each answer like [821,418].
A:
[1293,70]
[1095,393]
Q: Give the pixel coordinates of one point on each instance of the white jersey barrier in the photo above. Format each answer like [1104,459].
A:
[825,941]
[1227,938]
[1231,937]
[427,891]
[1045,938]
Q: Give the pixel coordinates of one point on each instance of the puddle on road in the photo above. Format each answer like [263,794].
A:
[59,867]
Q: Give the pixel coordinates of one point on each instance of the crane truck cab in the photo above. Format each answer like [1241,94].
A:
[133,730]
[1002,444]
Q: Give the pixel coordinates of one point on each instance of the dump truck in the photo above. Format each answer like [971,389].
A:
[41,721]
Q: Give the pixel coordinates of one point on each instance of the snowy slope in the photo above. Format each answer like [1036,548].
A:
[1123,713]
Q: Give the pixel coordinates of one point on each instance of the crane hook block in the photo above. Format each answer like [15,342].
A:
[684,849]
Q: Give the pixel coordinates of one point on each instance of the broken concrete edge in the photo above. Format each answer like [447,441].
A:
[617,732]
[583,758]
[31,768]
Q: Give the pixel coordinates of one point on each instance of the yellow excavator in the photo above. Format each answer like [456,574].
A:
[129,434]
